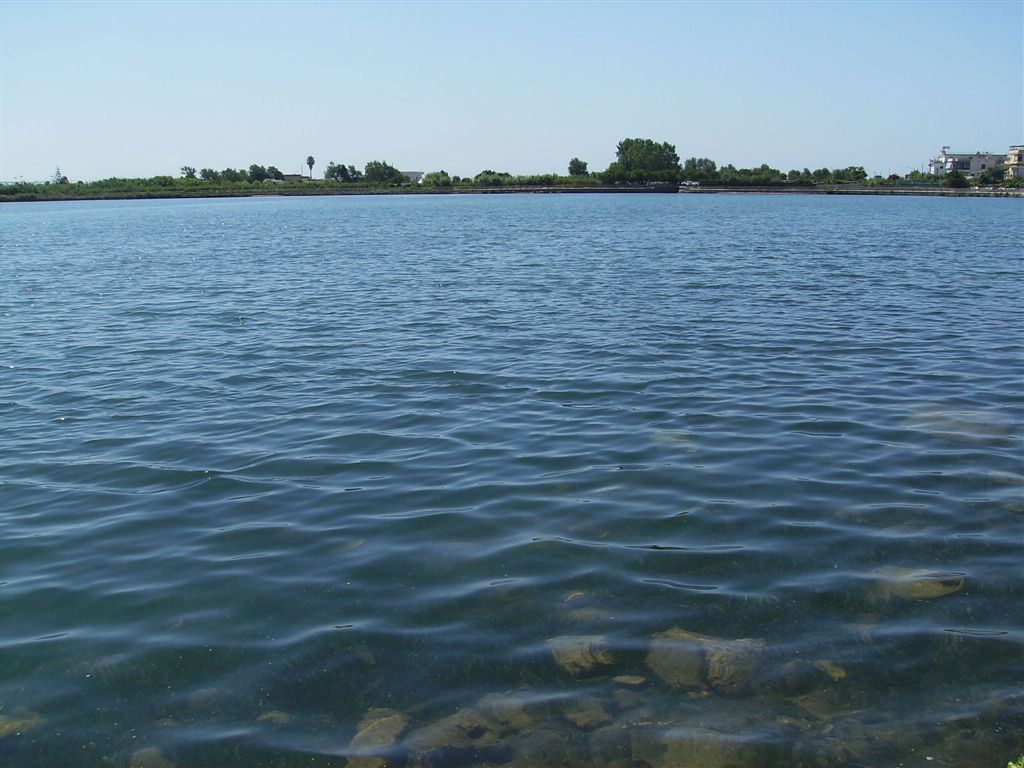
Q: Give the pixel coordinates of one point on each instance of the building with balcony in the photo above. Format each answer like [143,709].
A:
[1015,162]
[970,165]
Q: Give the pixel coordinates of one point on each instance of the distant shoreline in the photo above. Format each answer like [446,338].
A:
[318,191]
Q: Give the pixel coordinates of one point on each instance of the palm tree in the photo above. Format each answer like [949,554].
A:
[310,162]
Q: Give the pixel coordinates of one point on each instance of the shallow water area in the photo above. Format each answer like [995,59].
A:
[620,480]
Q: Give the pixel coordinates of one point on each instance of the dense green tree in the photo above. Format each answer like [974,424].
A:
[850,173]
[577,167]
[342,172]
[822,176]
[764,175]
[379,172]
[700,169]
[257,173]
[230,174]
[59,178]
[489,178]
[209,174]
[614,174]
[438,179]
[956,180]
[273,172]
[188,172]
[310,162]
[703,165]
[647,160]
[337,172]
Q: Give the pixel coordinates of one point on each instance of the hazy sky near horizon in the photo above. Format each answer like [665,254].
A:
[138,89]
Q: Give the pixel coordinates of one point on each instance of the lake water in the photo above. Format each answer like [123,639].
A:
[615,480]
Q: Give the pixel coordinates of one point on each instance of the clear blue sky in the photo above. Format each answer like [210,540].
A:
[138,89]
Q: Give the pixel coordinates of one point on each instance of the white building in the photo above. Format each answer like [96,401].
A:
[970,165]
[415,177]
[1015,162]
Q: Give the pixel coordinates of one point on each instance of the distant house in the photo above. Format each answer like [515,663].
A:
[970,165]
[294,177]
[1015,162]
[414,177]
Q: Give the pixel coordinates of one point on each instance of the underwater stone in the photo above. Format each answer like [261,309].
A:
[20,721]
[150,757]
[611,745]
[688,659]
[834,671]
[465,736]
[913,584]
[580,653]
[690,747]
[627,698]
[733,664]
[378,730]
[631,680]
[827,703]
[508,711]
[677,657]
[586,713]
[276,717]
[799,676]
[549,746]
[589,616]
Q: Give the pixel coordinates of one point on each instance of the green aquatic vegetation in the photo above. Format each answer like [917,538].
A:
[19,721]
[1018,763]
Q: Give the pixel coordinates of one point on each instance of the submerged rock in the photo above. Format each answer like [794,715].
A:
[580,653]
[506,710]
[733,664]
[586,713]
[913,584]
[962,426]
[275,717]
[548,745]
[466,736]
[630,680]
[1006,478]
[150,757]
[20,721]
[589,616]
[799,676]
[690,747]
[834,671]
[686,659]
[828,704]
[377,732]
[677,657]
[208,699]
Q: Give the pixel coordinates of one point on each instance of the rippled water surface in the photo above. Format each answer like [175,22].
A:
[617,480]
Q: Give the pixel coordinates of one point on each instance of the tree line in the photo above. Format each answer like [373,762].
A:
[638,161]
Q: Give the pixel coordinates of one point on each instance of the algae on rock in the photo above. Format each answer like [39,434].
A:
[580,653]
[913,584]
[686,659]
[20,720]
[377,732]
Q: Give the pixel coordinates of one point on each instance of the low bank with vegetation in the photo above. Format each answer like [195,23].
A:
[640,164]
